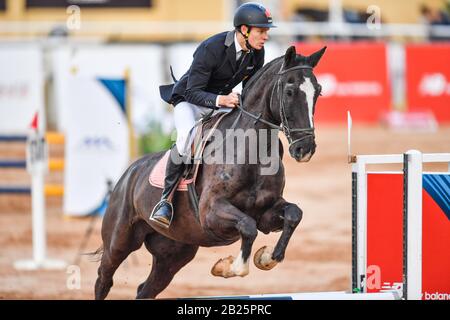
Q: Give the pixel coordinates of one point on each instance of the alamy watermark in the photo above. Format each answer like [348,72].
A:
[374,20]
[73,21]
[73,281]
[239,146]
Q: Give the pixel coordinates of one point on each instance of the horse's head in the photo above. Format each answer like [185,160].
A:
[296,95]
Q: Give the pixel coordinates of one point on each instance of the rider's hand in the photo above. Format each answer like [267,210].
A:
[231,100]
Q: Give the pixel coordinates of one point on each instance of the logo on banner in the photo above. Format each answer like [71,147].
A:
[14,91]
[96,143]
[434,84]
[331,86]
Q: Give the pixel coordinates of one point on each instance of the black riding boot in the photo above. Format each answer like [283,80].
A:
[163,211]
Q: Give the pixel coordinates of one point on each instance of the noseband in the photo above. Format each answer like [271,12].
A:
[284,126]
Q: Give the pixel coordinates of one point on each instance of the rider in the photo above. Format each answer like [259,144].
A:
[220,63]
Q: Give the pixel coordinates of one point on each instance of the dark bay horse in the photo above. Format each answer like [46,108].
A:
[235,200]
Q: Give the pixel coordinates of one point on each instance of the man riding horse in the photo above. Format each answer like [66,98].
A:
[237,201]
[220,63]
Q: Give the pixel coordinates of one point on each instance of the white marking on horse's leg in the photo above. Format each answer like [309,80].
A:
[263,258]
[239,266]
[308,88]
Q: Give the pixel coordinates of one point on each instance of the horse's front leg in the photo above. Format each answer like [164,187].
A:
[290,215]
[224,219]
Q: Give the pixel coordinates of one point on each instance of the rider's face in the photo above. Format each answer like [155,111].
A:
[258,37]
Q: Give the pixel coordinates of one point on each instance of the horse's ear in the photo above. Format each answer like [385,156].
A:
[313,59]
[289,56]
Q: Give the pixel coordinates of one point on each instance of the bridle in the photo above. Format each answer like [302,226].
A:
[284,125]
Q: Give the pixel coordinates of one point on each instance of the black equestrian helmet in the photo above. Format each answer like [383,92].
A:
[253,15]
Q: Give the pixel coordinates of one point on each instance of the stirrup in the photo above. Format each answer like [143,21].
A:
[157,206]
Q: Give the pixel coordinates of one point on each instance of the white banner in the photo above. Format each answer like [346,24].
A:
[145,70]
[21,88]
[97,142]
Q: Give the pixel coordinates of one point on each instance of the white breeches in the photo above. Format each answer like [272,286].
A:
[186,114]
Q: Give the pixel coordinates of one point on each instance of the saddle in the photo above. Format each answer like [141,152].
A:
[199,142]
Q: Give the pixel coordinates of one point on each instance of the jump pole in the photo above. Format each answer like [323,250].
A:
[37,166]
[331,295]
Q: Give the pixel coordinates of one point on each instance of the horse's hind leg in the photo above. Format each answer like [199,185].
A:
[169,257]
[117,245]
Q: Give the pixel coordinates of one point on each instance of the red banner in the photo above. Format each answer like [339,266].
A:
[428,79]
[385,237]
[354,77]
[384,231]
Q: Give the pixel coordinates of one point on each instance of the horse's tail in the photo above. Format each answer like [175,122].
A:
[95,256]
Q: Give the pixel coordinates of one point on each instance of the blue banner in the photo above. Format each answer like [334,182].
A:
[438,187]
[117,87]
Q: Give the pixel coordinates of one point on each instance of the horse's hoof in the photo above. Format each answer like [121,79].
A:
[263,258]
[222,268]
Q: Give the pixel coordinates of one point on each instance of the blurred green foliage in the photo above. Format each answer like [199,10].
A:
[155,140]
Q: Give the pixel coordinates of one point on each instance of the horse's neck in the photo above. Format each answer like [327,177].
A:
[258,101]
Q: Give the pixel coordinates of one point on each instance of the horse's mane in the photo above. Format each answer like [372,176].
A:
[258,75]
[248,86]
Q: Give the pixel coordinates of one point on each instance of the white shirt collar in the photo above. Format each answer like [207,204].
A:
[236,43]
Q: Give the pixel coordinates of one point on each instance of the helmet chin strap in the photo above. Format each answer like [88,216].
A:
[247,43]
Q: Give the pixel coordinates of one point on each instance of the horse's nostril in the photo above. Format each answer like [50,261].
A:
[298,152]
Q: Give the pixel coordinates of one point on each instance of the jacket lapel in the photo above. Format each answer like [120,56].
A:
[231,49]
[231,56]
[245,62]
